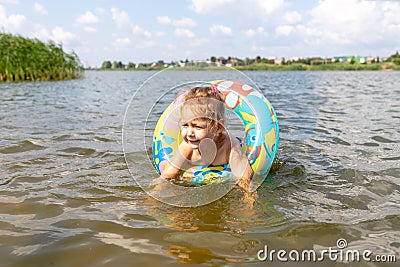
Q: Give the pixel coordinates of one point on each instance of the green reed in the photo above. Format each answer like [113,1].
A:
[31,59]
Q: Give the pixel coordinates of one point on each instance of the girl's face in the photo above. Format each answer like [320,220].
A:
[194,129]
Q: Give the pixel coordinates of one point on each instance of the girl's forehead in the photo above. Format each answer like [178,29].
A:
[187,114]
[196,120]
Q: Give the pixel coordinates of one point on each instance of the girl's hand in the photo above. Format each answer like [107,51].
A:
[178,162]
[240,167]
[244,183]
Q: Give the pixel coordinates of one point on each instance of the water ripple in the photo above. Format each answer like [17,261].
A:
[66,189]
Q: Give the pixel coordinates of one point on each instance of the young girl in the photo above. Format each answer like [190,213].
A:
[205,140]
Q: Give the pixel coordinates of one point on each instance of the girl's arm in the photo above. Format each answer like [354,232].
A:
[178,162]
[240,166]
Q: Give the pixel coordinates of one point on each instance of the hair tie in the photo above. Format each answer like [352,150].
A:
[214,88]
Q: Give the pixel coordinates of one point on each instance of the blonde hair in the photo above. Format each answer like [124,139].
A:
[206,103]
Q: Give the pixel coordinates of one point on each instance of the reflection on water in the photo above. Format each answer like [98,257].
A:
[68,197]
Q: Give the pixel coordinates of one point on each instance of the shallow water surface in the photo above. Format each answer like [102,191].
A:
[68,198]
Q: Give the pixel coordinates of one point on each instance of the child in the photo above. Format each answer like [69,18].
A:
[205,140]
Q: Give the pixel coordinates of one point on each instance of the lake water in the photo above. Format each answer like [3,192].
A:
[68,198]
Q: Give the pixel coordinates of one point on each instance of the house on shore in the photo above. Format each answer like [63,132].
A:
[356,59]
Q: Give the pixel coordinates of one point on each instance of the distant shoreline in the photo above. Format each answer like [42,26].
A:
[385,66]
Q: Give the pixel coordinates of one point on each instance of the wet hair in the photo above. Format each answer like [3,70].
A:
[206,103]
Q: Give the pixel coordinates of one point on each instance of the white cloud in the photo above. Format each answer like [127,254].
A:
[284,30]
[8,1]
[253,32]
[39,8]
[181,23]
[121,18]
[208,6]
[199,42]
[139,31]
[148,43]
[270,6]
[59,35]
[121,42]
[170,46]
[184,22]
[164,20]
[391,18]
[259,49]
[41,32]
[244,10]
[188,53]
[160,34]
[15,21]
[12,22]
[292,17]
[341,26]
[184,33]
[359,21]
[220,30]
[87,18]
[89,29]
[100,11]
[343,14]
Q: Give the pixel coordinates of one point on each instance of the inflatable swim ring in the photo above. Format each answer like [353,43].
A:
[260,142]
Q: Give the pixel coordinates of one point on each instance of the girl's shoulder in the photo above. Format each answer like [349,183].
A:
[231,140]
[224,150]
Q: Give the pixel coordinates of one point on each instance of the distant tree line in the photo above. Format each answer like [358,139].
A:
[106,65]
[395,58]
[262,63]
[31,59]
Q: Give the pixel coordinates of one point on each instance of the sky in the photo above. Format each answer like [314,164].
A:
[150,30]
